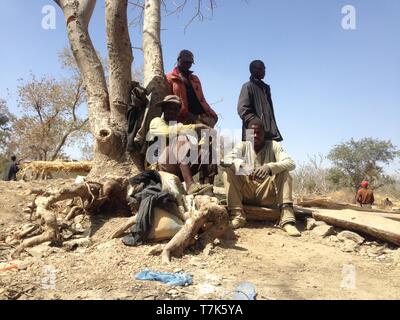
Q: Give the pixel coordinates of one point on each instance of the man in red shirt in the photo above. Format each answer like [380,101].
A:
[365,196]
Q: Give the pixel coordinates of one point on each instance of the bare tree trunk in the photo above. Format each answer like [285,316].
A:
[107,111]
[154,78]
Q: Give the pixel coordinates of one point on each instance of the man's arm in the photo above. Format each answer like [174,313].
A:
[240,157]
[158,127]
[283,161]
[203,100]
[245,108]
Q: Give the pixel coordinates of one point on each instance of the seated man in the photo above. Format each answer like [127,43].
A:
[365,196]
[262,179]
[172,158]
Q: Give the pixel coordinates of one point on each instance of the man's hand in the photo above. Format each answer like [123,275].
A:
[261,173]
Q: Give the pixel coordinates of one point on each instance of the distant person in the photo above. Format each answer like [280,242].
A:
[11,169]
[194,108]
[365,196]
[387,203]
[255,102]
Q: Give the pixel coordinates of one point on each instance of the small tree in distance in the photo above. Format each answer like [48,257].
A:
[355,161]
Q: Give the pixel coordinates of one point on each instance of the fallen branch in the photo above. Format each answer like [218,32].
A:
[208,211]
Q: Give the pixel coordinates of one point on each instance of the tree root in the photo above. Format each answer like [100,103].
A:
[208,213]
[88,193]
[120,230]
[73,212]
[23,234]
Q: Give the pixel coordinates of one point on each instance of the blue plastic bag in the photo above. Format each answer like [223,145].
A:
[245,291]
[171,279]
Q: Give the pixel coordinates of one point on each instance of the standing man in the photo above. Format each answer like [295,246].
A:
[255,102]
[194,108]
[365,196]
[11,169]
[261,178]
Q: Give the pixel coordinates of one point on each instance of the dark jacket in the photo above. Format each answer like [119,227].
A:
[255,102]
[10,171]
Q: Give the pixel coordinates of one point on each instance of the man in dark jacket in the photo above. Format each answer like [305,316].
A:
[11,169]
[255,102]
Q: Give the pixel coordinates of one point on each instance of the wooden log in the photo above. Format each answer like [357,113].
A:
[268,214]
[378,227]
[327,204]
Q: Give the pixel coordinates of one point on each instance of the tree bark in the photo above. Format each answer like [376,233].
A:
[107,112]
[154,77]
[120,60]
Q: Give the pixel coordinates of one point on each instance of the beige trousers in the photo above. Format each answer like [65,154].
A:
[275,190]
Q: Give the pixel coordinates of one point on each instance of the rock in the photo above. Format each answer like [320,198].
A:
[27,210]
[79,228]
[320,223]
[79,219]
[323,231]
[333,239]
[349,246]
[352,236]
[40,251]
[67,234]
[74,244]
[310,224]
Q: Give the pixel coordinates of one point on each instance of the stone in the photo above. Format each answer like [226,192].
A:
[74,244]
[79,219]
[349,246]
[323,231]
[40,251]
[320,223]
[310,224]
[352,236]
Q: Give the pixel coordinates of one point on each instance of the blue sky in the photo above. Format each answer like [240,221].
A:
[328,84]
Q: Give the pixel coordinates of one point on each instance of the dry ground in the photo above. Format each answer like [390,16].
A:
[280,267]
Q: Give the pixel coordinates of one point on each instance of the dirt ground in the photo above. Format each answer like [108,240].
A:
[280,267]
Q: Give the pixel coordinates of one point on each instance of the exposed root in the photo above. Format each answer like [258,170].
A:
[120,230]
[89,193]
[208,213]
[51,232]
[23,234]
[73,212]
